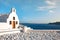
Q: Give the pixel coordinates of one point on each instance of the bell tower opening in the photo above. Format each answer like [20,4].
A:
[13,10]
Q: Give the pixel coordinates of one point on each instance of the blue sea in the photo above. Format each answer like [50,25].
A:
[42,26]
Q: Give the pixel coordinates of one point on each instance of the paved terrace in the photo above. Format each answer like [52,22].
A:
[31,35]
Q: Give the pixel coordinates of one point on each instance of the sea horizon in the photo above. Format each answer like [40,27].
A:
[42,26]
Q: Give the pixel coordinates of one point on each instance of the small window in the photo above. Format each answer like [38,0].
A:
[16,22]
[10,22]
[13,18]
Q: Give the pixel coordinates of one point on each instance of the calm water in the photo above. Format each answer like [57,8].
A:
[42,26]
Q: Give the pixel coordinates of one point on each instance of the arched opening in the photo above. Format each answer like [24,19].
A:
[10,22]
[13,18]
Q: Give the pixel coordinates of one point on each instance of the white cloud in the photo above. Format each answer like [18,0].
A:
[51,11]
[49,2]
[46,8]
[41,8]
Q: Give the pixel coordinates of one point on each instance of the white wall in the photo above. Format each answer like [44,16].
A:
[4,26]
[10,18]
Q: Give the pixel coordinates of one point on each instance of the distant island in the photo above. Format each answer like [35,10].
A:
[56,23]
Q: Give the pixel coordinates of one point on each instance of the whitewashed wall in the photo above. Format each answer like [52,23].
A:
[10,18]
[4,26]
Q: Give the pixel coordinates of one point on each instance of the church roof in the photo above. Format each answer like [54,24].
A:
[3,17]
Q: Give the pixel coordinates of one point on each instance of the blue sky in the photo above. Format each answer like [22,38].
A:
[33,11]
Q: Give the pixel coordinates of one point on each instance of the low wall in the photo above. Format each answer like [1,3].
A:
[3,25]
[32,35]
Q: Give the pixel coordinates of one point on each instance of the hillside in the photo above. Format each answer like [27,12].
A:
[56,23]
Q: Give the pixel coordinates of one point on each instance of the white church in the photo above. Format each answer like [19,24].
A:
[9,21]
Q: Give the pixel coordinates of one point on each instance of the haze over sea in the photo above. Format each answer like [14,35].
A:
[42,26]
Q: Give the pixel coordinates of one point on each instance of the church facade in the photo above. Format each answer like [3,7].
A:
[9,21]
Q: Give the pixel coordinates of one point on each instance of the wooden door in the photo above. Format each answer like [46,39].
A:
[13,25]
